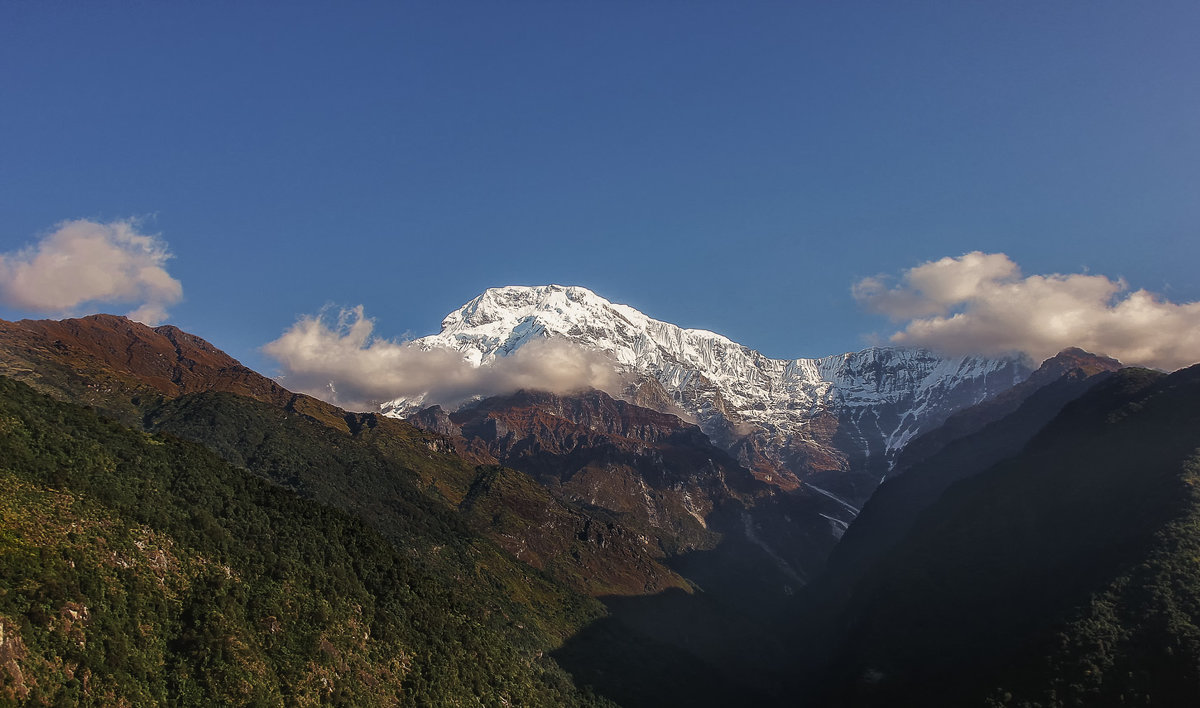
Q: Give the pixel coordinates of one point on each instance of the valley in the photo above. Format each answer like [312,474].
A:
[677,541]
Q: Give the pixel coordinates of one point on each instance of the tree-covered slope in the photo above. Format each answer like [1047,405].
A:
[164,379]
[1065,575]
[144,570]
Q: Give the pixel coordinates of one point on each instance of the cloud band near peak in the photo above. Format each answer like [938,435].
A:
[340,360]
[982,303]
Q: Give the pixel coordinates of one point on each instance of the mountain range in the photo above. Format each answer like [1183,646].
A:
[835,423]
[712,531]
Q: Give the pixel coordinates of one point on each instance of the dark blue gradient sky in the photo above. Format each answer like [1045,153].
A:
[728,166]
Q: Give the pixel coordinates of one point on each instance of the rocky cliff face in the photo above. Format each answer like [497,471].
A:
[657,475]
[660,473]
[836,422]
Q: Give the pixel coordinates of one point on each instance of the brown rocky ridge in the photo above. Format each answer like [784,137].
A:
[127,370]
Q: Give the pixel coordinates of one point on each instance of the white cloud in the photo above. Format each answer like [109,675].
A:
[343,363]
[85,262]
[981,303]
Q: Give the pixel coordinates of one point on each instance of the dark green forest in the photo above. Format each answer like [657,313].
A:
[145,570]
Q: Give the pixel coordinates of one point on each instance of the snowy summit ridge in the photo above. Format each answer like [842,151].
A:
[502,319]
[773,413]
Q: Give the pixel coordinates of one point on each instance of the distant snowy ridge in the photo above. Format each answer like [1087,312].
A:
[881,397]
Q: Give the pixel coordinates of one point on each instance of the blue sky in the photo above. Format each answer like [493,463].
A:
[730,166]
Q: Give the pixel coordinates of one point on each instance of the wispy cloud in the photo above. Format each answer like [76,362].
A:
[982,303]
[86,262]
[341,361]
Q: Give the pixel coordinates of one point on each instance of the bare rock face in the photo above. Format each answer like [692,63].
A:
[656,475]
[662,475]
[649,393]
[15,688]
[435,420]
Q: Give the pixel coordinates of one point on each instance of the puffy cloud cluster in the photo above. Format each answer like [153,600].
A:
[981,303]
[89,262]
[342,362]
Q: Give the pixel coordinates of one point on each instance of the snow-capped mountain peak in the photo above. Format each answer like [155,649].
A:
[790,419]
[502,319]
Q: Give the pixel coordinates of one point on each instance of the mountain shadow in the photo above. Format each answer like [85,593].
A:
[970,442]
[1064,575]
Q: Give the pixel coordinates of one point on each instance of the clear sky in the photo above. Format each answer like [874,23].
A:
[731,166]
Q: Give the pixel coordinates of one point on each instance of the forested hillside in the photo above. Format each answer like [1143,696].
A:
[143,569]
